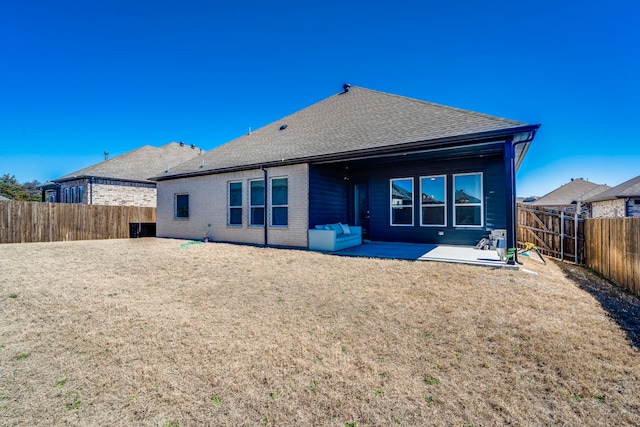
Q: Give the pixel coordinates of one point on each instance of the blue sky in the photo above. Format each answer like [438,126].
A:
[82,77]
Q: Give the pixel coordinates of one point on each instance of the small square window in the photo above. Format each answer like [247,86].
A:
[182,206]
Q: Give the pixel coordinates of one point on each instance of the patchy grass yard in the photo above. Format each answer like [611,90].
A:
[153,332]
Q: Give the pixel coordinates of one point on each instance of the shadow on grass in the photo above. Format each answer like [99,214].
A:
[622,306]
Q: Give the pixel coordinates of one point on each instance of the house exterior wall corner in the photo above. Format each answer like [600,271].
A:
[608,209]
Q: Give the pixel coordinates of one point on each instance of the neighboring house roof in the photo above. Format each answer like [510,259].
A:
[578,190]
[47,185]
[462,197]
[3,198]
[526,199]
[627,189]
[355,122]
[137,165]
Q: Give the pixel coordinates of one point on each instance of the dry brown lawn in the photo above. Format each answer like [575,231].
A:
[151,332]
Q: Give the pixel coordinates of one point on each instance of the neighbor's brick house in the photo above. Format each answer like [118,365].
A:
[571,198]
[618,202]
[120,181]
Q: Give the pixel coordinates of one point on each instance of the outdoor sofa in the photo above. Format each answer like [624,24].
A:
[334,237]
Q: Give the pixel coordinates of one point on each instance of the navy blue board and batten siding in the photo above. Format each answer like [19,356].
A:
[328,201]
[331,195]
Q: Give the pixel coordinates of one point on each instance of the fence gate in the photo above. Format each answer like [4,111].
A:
[555,234]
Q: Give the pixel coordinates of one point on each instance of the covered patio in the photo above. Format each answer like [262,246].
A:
[426,252]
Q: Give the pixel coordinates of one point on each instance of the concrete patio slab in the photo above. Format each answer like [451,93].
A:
[426,252]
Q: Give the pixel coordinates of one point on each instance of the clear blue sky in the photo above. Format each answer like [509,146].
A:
[81,77]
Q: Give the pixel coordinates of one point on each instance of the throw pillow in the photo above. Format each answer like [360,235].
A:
[345,228]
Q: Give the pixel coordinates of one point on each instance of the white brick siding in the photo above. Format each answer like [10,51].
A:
[609,209]
[208,208]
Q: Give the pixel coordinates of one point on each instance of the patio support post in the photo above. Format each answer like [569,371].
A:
[510,189]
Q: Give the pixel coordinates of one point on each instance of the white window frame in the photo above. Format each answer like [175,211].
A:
[175,207]
[413,202]
[480,205]
[443,205]
[229,207]
[252,206]
[272,205]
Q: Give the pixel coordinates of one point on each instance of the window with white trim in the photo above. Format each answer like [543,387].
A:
[401,190]
[234,212]
[433,201]
[279,202]
[256,202]
[468,205]
[182,206]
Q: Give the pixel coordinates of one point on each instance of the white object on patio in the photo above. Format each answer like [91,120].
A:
[334,237]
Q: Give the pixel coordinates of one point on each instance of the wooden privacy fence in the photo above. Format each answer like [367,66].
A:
[25,222]
[613,250]
[555,234]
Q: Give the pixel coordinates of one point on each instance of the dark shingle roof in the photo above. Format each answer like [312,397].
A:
[353,121]
[578,190]
[629,188]
[138,165]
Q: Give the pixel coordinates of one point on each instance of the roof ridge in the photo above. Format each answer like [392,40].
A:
[435,104]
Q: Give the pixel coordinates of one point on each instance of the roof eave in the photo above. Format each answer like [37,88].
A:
[111,178]
[438,143]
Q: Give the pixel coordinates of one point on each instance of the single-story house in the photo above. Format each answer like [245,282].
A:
[122,180]
[618,202]
[570,198]
[403,169]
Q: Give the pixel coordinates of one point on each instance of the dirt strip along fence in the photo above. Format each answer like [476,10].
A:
[26,222]
[613,250]
[555,234]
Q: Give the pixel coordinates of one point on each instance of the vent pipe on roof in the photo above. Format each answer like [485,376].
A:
[106,156]
[346,87]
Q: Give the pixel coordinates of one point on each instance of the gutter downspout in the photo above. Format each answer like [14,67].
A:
[266,229]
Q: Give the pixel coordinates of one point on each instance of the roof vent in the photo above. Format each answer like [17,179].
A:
[193,147]
[346,87]
[283,127]
[181,144]
[106,156]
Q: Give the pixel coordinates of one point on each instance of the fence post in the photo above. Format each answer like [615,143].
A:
[575,234]
[562,236]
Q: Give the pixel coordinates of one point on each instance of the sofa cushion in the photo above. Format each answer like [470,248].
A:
[335,227]
[347,237]
[345,228]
